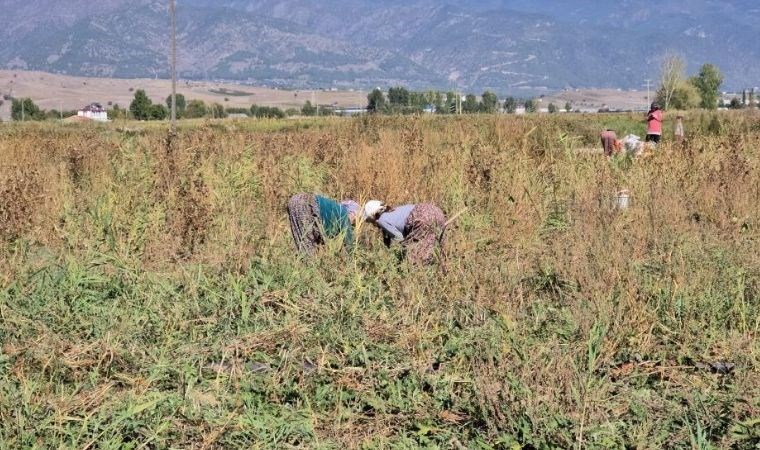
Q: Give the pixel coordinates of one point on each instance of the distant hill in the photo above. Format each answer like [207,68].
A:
[505,45]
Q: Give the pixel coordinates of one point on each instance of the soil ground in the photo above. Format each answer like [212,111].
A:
[591,100]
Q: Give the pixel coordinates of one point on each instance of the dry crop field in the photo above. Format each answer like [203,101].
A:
[150,296]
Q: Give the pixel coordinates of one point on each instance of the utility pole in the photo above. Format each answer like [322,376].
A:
[649,101]
[173,14]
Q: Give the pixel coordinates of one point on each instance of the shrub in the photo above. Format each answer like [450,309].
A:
[268,112]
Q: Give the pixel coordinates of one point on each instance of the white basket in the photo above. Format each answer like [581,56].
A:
[623,199]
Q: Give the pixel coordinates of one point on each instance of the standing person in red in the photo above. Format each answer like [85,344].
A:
[654,124]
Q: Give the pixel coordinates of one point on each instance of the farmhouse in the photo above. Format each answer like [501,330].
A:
[94,111]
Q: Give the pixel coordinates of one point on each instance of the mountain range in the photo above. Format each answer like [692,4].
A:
[504,45]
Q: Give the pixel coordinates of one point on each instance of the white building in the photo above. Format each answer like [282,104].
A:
[94,111]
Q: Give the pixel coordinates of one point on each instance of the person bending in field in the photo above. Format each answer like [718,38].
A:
[678,132]
[419,228]
[610,142]
[315,218]
[654,124]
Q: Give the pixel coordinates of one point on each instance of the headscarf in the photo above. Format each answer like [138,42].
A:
[373,208]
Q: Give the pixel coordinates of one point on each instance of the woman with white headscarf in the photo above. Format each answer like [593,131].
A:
[419,228]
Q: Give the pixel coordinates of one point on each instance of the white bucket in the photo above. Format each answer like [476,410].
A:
[623,199]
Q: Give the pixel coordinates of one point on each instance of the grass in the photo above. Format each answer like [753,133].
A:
[150,297]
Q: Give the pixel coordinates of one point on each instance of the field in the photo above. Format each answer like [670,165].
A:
[150,296]
[71,93]
[75,92]
[594,99]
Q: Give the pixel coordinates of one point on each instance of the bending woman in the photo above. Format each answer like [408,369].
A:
[419,228]
[315,218]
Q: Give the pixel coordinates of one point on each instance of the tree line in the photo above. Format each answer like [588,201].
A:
[143,108]
[399,100]
[23,109]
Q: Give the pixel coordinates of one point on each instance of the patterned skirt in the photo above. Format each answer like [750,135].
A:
[303,212]
[608,142]
[424,232]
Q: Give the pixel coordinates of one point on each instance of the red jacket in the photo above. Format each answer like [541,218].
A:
[654,122]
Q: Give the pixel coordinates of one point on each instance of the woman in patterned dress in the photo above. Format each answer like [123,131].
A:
[419,228]
[315,218]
